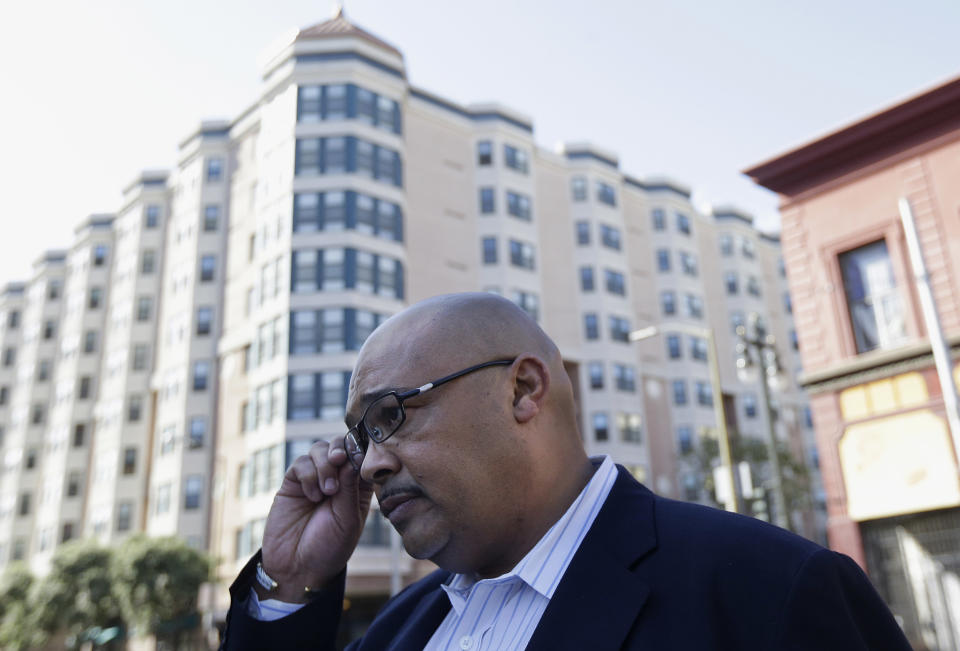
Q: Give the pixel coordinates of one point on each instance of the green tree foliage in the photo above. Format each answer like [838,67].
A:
[157,580]
[796,475]
[78,592]
[17,629]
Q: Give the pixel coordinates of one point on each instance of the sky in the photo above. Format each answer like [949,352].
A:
[694,90]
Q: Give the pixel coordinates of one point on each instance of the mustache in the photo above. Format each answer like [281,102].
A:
[411,490]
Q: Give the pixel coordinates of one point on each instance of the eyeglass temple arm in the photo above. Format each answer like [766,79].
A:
[453,376]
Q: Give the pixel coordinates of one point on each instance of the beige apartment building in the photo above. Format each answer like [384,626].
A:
[283,237]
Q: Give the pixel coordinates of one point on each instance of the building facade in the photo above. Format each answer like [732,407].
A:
[882,407]
[239,288]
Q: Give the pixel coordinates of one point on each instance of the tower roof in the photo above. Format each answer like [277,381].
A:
[339,27]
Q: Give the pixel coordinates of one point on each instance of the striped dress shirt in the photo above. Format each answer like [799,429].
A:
[501,614]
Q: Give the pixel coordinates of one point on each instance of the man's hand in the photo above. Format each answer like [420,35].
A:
[314,523]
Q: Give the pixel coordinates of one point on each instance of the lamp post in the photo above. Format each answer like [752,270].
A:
[723,437]
[755,342]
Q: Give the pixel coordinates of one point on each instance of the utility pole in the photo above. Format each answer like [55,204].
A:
[756,342]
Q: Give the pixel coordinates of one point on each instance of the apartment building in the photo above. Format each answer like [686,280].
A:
[238,289]
[874,316]
[30,396]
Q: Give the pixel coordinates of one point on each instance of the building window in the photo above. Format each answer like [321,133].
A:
[124,516]
[198,432]
[4,395]
[151,216]
[625,378]
[144,308]
[521,254]
[214,170]
[43,370]
[586,279]
[747,248]
[674,350]
[201,375]
[578,188]
[204,321]
[694,305]
[583,232]
[591,327]
[54,289]
[86,388]
[31,461]
[737,319]
[688,264]
[753,286]
[668,302]
[685,439]
[10,356]
[192,492]
[726,245]
[211,217]
[129,461]
[24,506]
[698,349]
[38,413]
[750,405]
[807,417]
[794,340]
[518,205]
[208,267]
[606,194]
[162,504]
[139,362]
[484,153]
[683,223]
[99,255]
[610,237]
[704,393]
[516,159]
[73,483]
[595,370]
[487,201]
[679,392]
[66,532]
[528,302]
[874,304]
[630,426]
[338,155]
[619,329]
[601,426]
[94,298]
[148,262]
[663,260]
[787,303]
[79,434]
[659,219]
[134,408]
[615,282]
[732,282]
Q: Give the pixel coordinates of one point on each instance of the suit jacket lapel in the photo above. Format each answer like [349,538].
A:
[599,589]
[422,622]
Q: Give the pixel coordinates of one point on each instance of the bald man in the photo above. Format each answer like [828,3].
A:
[462,421]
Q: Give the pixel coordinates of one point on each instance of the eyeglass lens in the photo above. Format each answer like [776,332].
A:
[381,419]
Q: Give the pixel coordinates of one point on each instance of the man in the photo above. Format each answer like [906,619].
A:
[462,421]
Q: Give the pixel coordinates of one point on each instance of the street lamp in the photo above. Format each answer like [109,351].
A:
[755,342]
[733,504]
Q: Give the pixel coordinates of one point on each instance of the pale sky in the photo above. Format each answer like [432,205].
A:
[696,90]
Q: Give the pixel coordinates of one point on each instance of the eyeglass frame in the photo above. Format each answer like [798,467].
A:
[354,432]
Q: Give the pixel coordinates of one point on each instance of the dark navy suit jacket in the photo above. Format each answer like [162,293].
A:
[650,574]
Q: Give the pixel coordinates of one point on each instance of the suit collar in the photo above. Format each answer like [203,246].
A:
[599,585]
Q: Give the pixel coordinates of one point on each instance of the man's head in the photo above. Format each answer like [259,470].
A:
[482,464]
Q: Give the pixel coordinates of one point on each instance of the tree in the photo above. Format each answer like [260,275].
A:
[78,592]
[796,475]
[17,630]
[158,580]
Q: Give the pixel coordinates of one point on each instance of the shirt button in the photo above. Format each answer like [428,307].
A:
[466,642]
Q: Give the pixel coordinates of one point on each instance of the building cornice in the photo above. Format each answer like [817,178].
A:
[918,119]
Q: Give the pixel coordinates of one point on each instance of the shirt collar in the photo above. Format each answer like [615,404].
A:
[544,565]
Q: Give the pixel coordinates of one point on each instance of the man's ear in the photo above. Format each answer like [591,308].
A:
[531,383]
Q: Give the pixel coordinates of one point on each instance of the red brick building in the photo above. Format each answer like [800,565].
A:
[887,453]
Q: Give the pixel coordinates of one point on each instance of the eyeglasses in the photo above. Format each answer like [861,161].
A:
[384,416]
